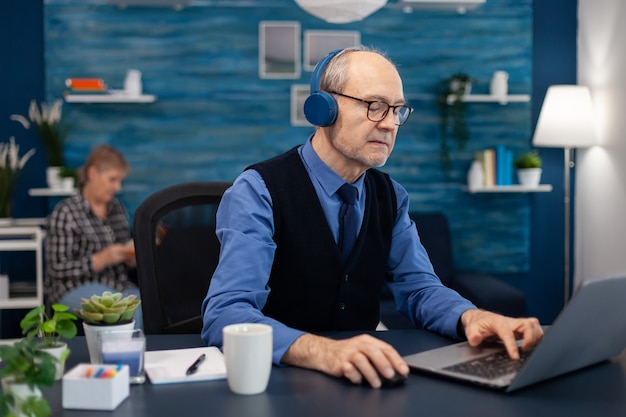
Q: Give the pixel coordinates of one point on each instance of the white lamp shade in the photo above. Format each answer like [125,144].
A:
[566,119]
[338,11]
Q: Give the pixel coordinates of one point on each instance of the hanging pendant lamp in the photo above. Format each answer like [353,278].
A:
[340,11]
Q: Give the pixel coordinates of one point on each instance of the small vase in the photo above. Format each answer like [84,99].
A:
[499,85]
[132,83]
[475,176]
[91,335]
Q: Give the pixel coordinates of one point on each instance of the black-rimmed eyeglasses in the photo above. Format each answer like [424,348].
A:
[377,110]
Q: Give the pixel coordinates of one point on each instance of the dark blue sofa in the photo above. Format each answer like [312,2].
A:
[485,291]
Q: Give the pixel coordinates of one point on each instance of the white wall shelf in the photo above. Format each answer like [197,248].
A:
[109,98]
[24,239]
[542,188]
[50,192]
[488,98]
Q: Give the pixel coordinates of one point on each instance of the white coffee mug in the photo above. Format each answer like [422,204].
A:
[248,356]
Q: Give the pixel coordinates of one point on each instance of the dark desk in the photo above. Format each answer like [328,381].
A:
[293,392]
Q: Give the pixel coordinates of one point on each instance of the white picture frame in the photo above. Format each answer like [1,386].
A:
[279,50]
[318,43]
[299,93]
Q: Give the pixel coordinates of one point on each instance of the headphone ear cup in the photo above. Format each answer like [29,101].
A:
[320,109]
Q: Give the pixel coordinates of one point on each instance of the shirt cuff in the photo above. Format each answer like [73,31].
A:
[283,339]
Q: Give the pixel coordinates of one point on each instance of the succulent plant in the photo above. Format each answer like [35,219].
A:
[108,308]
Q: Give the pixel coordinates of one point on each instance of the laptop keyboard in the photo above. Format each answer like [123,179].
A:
[492,366]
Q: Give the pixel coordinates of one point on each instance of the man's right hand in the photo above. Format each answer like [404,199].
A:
[357,358]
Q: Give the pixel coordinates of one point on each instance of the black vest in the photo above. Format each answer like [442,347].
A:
[311,288]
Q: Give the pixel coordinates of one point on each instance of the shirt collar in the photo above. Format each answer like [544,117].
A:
[87,207]
[328,179]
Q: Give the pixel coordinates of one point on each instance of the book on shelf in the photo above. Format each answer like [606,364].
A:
[86,85]
[497,165]
[488,159]
[504,165]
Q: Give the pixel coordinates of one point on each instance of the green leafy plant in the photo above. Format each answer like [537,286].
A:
[50,329]
[47,119]
[528,160]
[68,172]
[452,108]
[11,165]
[108,308]
[23,362]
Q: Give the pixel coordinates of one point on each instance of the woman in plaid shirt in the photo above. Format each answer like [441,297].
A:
[88,245]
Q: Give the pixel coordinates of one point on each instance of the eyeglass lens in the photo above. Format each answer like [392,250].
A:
[378,110]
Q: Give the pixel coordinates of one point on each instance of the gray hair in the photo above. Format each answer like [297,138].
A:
[102,157]
[334,77]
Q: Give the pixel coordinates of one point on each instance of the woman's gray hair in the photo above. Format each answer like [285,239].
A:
[335,77]
[102,157]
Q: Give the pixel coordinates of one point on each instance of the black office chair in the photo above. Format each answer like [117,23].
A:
[177,252]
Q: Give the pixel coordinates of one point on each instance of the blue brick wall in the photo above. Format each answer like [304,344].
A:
[214,115]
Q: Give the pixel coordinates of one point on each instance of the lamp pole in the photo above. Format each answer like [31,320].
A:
[566,225]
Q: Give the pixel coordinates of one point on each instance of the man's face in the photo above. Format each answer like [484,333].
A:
[361,142]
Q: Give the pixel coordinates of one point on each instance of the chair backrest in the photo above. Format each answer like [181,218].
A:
[177,252]
[434,234]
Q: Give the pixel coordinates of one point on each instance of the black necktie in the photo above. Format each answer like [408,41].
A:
[347,219]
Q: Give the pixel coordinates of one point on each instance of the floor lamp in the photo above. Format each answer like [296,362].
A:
[566,121]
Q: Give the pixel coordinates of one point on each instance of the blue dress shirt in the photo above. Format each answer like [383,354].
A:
[245,227]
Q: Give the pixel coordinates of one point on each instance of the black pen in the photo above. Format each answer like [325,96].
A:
[194,366]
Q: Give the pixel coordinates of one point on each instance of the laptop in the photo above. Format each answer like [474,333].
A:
[590,329]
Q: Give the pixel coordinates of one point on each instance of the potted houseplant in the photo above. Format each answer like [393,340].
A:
[11,165]
[47,119]
[68,177]
[528,168]
[50,329]
[452,108]
[26,370]
[106,312]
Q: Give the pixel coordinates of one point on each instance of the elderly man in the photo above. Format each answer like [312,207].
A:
[310,237]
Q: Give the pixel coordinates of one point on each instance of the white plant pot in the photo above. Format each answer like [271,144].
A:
[91,335]
[529,177]
[58,352]
[456,85]
[21,392]
[67,184]
[52,177]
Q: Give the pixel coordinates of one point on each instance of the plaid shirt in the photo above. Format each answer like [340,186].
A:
[74,233]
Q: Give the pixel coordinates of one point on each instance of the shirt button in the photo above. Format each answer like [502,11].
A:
[342,306]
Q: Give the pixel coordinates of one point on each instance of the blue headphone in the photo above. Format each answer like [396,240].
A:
[320,108]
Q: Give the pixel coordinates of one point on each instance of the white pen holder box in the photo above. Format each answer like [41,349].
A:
[84,389]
